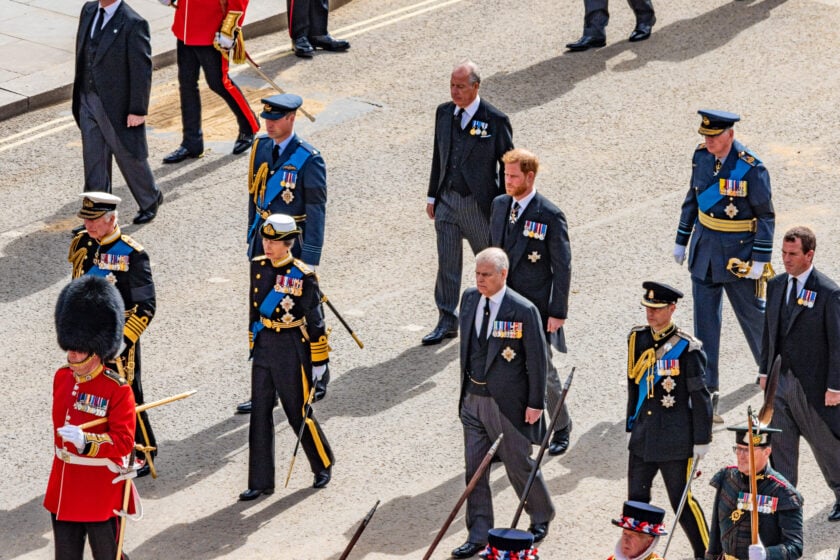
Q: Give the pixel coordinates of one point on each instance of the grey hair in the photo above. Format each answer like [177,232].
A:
[107,215]
[475,73]
[495,256]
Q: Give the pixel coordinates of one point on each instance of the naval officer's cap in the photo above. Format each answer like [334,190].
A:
[659,295]
[761,434]
[715,122]
[278,106]
[96,204]
[280,226]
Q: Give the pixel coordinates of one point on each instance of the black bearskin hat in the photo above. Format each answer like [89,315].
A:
[89,317]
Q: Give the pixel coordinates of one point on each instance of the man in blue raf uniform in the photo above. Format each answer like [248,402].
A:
[101,249]
[779,505]
[290,353]
[288,176]
[728,217]
[669,409]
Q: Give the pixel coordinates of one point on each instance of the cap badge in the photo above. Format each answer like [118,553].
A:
[269,229]
[87,203]
[705,120]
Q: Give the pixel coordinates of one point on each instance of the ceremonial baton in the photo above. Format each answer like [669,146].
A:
[694,474]
[470,487]
[265,77]
[548,433]
[753,481]
[142,407]
[306,410]
[359,531]
[326,300]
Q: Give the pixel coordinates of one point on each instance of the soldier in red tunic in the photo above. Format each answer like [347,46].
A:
[81,495]
[208,31]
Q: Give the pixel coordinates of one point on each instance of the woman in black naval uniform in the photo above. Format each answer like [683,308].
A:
[290,353]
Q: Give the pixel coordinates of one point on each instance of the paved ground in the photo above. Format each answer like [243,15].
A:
[615,129]
[39,41]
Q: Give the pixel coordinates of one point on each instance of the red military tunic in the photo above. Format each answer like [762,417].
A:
[84,492]
[197,21]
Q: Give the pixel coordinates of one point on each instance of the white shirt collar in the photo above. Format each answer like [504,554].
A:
[470,110]
[523,204]
[285,142]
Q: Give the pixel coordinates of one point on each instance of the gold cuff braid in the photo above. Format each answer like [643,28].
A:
[320,350]
[230,24]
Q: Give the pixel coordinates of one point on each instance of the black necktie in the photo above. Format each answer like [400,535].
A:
[793,296]
[485,323]
[275,154]
[457,117]
[100,22]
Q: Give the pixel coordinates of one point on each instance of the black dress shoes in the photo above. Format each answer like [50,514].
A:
[244,408]
[147,215]
[835,513]
[560,442]
[251,494]
[437,335]
[327,43]
[180,154]
[467,550]
[539,530]
[641,33]
[322,478]
[145,470]
[586,42]
[303,48]
[243,142]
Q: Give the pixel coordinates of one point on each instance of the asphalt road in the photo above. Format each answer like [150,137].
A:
[615,129]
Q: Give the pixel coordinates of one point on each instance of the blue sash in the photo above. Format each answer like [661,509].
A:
[711,196]
[273,187]
[120,249]
[672,354]
[270,302]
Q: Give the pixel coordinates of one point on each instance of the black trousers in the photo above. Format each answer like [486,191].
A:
[191,59]
[675,474]
[281,366]
[307,18]
[70,539]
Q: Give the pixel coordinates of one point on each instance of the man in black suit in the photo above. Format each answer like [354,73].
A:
[534,234]
[470,138]
[111,99]
[503,361]
[802,325]
[669,409]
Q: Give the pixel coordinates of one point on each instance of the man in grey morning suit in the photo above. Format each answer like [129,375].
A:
[470,138]
[534,234]
[503,362]
[111,99]
[802,325]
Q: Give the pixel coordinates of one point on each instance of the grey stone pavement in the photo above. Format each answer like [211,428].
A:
[37,38]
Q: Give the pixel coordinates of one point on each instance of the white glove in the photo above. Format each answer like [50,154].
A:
[166,2]
[74,435]
[757,552]
[318,372]
[312,267]
[700,450]
[679,253]
[224,41]
[755,270]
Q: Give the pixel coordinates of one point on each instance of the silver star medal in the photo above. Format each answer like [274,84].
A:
[668,384]
[111,278]
[731,210]
[668,401]
[508,354]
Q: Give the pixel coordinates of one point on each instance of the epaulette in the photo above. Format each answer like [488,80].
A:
[304,267]
[128,240]
[74,244]
[701,146]
[749,157]
[693,343]
[309,148]
[638,328]
[114,376]
[259,258]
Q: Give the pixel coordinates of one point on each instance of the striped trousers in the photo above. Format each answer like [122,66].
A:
[456,218]
[795,416]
